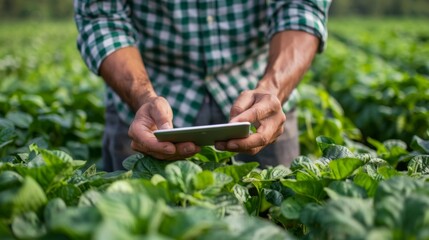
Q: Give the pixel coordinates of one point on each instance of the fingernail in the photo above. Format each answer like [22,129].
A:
[220,146]
[169,150]
[232,146]
[165,126]
[189,149]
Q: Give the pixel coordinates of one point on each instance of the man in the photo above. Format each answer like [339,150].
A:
[196,62]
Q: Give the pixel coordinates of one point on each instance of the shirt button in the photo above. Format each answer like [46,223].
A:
[209,19]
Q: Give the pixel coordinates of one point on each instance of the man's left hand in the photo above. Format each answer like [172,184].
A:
[264,110]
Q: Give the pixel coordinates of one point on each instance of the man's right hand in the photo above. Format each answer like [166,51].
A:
[155,114]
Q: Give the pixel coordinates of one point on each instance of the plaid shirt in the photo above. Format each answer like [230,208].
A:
[194,47]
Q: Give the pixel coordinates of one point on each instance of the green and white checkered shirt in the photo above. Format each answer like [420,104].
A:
[194,47]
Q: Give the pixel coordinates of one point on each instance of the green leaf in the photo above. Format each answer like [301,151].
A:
[307,167]
[344,167]
[245,227]
[7,132]
[9,179]
[28,226]
[291,208]
[312,188]
[76,222]
[324,142]
[134,213]
[203,180]
[210,154]
[145,166]
[189,223]
[337,152]
[345,188]
[365,181]
[420,145]
[276,173]
[402,186]
[181,174]
[237,172]
[20,119]
[53,209]
[69,193]
[344,218]
[241,193]
[28,196]
[419,165]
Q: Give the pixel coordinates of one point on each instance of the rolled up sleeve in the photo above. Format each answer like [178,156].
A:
[310,16]
[103,27]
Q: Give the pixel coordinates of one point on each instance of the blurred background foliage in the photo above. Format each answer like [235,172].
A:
[55,9]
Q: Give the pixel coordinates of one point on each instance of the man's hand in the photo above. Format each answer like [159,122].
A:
[264,110]
[291,53]
[155,114]
[124,71]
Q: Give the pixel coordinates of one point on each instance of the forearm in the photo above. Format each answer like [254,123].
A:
[124,72]
[290,55]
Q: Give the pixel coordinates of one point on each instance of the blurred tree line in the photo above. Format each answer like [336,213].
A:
[63,9]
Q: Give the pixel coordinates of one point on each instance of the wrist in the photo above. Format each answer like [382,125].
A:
[140,93]
[274,83]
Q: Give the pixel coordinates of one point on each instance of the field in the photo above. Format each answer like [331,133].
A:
[364,135]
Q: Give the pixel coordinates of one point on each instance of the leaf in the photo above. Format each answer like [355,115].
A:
[76,222]
[241,193]
[324,142]
[131,161]
[291,207]
[10,179]
[420,145]
[28,196]
[245,227]
[365,181]
[20,119]
[28,226]
[306,166]
[419,165]
[237,172]
[69,193]
[203,180]
[181,174]
[145,166]
[210,154]
[189,223]
[278,172]
[337,152]
[53,209]
[7,132]
[344,167]
[134,213]
[312,188]
[402,185]
[272,196]
[345,188]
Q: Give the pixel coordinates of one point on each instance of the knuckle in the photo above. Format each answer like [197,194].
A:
[236,109]
[263,140]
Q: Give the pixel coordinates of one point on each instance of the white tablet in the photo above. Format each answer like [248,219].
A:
[204,135]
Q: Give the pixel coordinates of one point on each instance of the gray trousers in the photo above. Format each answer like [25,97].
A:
[116,143]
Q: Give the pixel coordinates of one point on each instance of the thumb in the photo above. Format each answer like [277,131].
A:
[161,113]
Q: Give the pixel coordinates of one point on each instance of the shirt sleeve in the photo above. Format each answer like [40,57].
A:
[103,27]
[305,15]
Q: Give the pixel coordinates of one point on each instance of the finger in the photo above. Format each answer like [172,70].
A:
[187,149]
[266,134]
[258,112]
[147,142]
[183,153]
[242,103]
[161,113]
